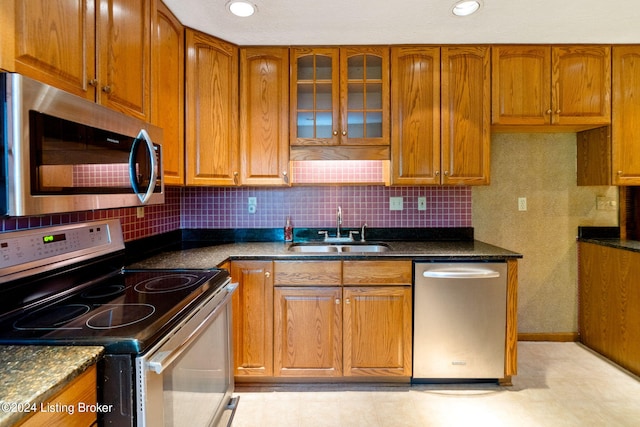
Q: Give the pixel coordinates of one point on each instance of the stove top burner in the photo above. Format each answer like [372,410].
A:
[54,317]
[167,283]
[103,292]
[120,315]
[124,312]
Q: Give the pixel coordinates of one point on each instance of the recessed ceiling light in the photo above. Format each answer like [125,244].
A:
[465,7]
[241,8]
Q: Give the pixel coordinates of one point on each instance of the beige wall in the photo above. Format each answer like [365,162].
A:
[542,168]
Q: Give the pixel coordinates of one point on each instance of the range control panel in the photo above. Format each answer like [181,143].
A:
[24,251]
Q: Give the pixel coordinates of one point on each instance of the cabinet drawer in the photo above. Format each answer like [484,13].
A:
[300,273]
[397,272]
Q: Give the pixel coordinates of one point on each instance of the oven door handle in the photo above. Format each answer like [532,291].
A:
[160,361]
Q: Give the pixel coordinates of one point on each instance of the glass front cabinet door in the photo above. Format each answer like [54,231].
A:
[340,96]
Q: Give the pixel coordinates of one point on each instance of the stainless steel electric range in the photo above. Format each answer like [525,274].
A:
[166,333]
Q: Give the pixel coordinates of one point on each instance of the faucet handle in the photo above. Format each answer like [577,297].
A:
[326,234]
[352,233]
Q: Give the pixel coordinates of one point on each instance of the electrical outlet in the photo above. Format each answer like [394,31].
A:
[395,203]
[140,212]
[422,203]
[252,205]
[522,203]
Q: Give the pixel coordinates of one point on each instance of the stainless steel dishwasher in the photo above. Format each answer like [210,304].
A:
[459,320]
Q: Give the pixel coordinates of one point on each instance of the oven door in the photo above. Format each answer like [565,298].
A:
[187,379]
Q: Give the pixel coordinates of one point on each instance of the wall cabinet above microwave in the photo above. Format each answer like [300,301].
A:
[82,50]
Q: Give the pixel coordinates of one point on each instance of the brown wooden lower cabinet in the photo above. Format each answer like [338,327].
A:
[322,319]
[609,303]
[377,331]
[327,323]
[334,319]
[83,390]
[351,331]
[308,331]
[253,318]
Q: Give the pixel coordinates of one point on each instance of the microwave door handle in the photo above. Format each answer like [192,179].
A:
[143,135]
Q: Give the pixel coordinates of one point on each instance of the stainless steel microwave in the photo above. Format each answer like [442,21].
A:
[63,153]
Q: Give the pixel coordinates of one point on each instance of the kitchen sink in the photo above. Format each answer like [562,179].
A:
[340,248]
[313,248]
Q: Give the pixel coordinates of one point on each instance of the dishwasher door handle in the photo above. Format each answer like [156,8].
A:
[462,273]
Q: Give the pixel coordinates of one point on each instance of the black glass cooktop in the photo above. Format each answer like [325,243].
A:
[124,312]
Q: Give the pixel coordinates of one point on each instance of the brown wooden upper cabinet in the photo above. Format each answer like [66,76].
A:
[340,97]
[441,115]
[167,77]
[264,116]
[78,46]
[551,85]
[609,155]
[211,118]
[625,129]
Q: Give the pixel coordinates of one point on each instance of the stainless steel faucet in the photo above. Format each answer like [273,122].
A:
[339,238]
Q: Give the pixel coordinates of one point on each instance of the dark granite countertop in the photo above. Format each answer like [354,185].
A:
[628,245]
[215,255]
[607,236]
[33,374]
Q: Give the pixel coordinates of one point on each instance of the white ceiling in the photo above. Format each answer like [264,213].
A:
[332,22]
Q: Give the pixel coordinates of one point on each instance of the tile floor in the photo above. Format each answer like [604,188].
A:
[558,384]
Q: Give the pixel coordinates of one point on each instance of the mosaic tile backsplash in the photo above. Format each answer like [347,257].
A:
[157,219]
[307,206]
[316,207]
[338,172]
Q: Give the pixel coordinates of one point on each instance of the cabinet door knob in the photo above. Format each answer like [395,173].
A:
[267,274]
[558,112]
[235,177]
[344,133]
[106,89]
[335,132]
[437,173]
[347,301]
[619,172]
[93,82]
[337,301]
